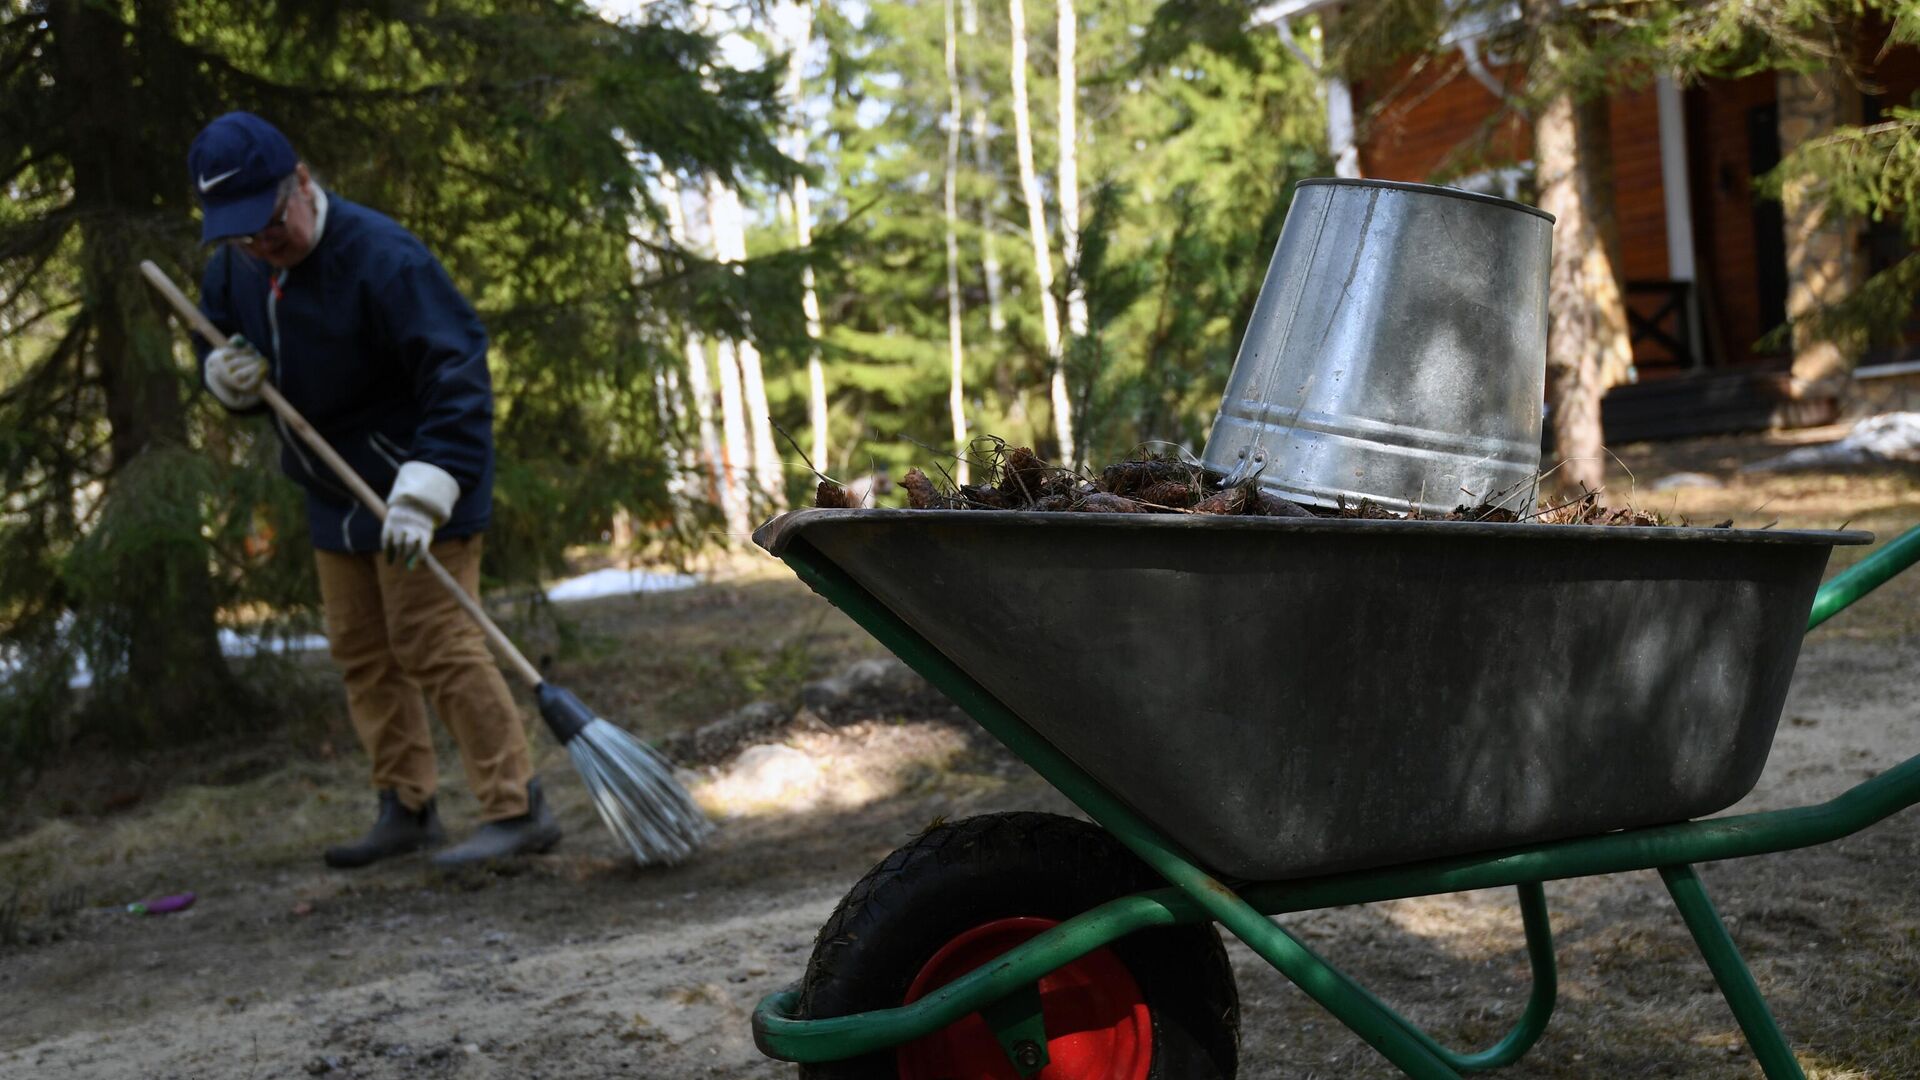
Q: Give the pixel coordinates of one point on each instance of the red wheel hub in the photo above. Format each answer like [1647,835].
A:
[1098,1025]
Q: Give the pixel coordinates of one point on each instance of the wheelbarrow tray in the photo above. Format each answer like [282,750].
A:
[1292,697]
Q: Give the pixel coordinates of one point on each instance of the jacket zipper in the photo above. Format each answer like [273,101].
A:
[387,451]
[273,322]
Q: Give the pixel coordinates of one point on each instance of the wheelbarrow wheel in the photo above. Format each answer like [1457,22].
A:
[1155,1005]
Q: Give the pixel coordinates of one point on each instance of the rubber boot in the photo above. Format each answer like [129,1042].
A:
[532,833]
[397,831]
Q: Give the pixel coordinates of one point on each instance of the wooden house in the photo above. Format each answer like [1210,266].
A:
[1707,264]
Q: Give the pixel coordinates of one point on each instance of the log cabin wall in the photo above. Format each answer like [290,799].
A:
[1443,125]
[1439,124]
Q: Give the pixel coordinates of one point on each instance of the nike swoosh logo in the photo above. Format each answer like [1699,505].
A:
[207,182]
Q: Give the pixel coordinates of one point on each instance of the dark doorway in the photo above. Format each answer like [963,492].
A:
[1769,221]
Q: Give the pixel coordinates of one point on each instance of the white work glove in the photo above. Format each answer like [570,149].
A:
[234,373]
[421,501]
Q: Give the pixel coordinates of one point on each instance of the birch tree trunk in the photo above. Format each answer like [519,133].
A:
[699,380]
[736,452]
[669,406]
[803,235]
[1069,169]
[677,449]
[763,457]
[1341,146]
[989,231]
[729,450]
[670,403]
[683,475]
[956,380]
[734,456]
[1037,232]
[983,164]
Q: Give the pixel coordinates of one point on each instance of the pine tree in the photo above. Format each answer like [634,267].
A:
[492,128]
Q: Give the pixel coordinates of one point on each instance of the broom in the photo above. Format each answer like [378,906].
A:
[632,787]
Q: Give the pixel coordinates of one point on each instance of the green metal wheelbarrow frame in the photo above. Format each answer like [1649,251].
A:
[1003,989]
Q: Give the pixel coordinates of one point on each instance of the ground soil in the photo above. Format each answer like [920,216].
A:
[577,964]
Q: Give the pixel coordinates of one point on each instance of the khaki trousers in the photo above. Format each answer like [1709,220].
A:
[395,632]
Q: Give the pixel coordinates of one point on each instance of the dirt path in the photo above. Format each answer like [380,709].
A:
[579,966]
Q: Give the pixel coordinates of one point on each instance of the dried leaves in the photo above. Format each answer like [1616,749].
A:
[1587,510]
[1483,512]
[1019,479]
[1022,480]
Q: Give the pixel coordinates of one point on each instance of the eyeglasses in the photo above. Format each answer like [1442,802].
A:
[274,227]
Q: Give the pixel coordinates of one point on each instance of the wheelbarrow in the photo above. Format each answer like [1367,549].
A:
[1267,716]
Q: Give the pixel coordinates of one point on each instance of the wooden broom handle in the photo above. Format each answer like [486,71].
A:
[200,324]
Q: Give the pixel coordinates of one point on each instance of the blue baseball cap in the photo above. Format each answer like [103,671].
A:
[237,163]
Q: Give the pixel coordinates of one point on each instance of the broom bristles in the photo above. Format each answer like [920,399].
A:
[636,794]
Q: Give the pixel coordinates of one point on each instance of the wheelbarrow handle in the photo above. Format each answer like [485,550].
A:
[1865,576]
[200,324]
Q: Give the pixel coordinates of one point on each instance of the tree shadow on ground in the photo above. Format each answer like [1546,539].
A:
[1830,933]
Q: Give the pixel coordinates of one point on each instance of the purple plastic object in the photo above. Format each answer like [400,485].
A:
[164,905]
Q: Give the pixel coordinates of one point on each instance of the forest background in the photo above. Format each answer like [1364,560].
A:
[709,241]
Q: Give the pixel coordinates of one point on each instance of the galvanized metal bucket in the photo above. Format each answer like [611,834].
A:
[1397,351]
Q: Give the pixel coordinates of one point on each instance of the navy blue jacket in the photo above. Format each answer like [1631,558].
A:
[370,341]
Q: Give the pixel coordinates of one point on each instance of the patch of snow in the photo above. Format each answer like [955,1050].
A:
[1887,438]
[612,581]
[1686,480]
[234,643]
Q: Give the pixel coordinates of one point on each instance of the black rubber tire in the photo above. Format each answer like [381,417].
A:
[960,875]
